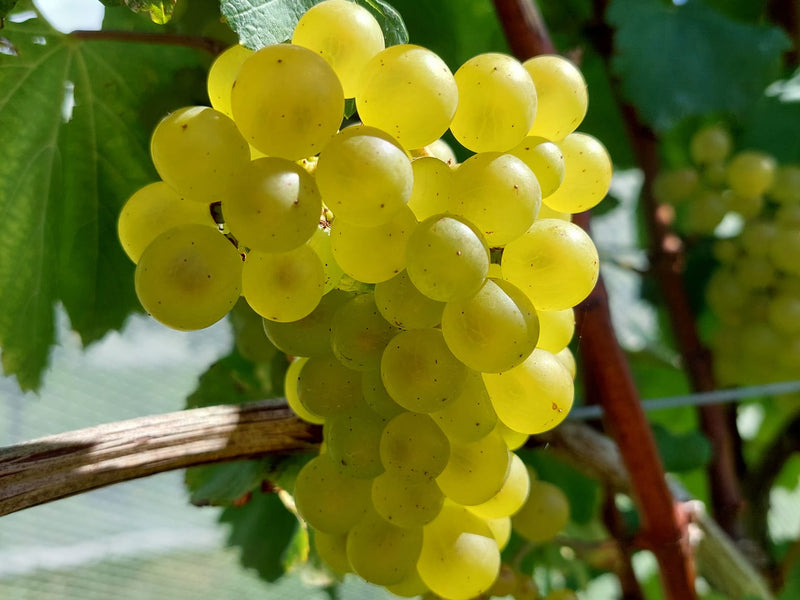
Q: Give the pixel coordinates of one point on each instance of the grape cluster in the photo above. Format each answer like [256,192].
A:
[427,305]
[755,290]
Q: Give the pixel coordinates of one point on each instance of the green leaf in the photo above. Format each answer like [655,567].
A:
[224,484]
[232,380]
[260,23]
[680,61]
[266,533]
[6,6]
[774,124]
[681,452]
[160,11]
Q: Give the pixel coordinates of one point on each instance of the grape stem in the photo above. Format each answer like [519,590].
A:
[206,44]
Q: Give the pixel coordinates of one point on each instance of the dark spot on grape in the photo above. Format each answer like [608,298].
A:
[184,126]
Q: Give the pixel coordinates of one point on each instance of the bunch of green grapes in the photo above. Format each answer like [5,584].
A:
[754,291]
[428,305]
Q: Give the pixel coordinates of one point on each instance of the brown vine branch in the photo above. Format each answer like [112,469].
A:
[62,465]
[206,44]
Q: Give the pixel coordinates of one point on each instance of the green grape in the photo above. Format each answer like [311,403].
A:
[248,333]
[406,501]
[321,244]
[431,192]
[189,277]
[311,335]
[510,498]
[562,96]
[290,386]
[471,415]
[419,371]
[497,193]
[726,296]
[447,258]
[705,211]
[505,583]
[727,251]
[754,272]
[501,531]
[756,237]
[443,151]
[373,254]
[677,186]
[544,514]
[750,173]
[332,549]
[353,439]
[496,103]
[567,359]
[199,152]
[785,187]
[412,444]
[222,74]
[748,207]
[476,471]
[555,263]
[783,313]
[376,396]
[345,34]
[459,557]
[715,174]
[561,594]
[545,212]
[556,328]
[363,177]
[711,144]
[326,387]
[152,210]
[587,174]
[513,439]
[359,333]
[533,397]
[287,101]
[545,159]
[275,208]
[409,92]
[327,499]
[381,552]
[784,250]
[492,331]
[405,306]
[283,286]
[410,586]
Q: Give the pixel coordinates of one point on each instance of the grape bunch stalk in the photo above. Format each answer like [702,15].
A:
[427,305]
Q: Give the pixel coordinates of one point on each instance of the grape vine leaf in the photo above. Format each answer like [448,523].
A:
[681,61]
[224,484]
[75,129]
[160,11]
[6,6]
[260,23]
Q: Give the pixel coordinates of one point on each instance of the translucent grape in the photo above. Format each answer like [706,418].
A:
[750,173]
[326,387]
[411,585]
[748,207]
[248,334]
[360,333]
[353,438]
[287,101]
[556,328]
[513,439]
[413,444]
[544,514]
[290,383]
[710,144]
[476,471]
[443,151]
[406,501]
[501,531]
[566,358]
[784,313]
[376,396]
[431,192]
[510,498]
[405,306]
[222,74]
[785,187]
[545,159]
[189,277]
[587,174]
[561,93]
[677,186]
[332,549]
[321,244]
[471,415]
[784,250]
[706,210]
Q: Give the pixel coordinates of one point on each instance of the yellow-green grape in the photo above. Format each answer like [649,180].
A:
[275,207]
[290,383]
[783,313]
[353,438]
[152,210]
[447,258]
[344,34]
[754,239]
[471,415]
[501,531]
[555,263]
[533,397]
[373,254]
[412,585]
[726,297]
[376,396]
[222,74]
[513,439]
[496,103]
[544,514]
[750,173]
[409,92]
[189,277]
[326,387]
[443,151]
[405,306]
[419,371]
[406,501]
[784,250]
[248,333]
[785,187]
[311,335]
[476,471]
[327,499]
[359,333]
[545,159]
[321,243]
[495,271]
[545,212]
[556,328]
[706,210]
[561,594]
[433,181]
[754,272]
[510,498]
[412,444]
[727,251]
[711,144]
[676,186]
[562,96]
[715,174]
[748,207]
[788,215]
[283,286]
[498,194]
[459,558]
[567,359]
[332,549]
[287,101]
[492,331]
[505,583]
[381,552]
[199,152]
[364,178]
[587,174]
